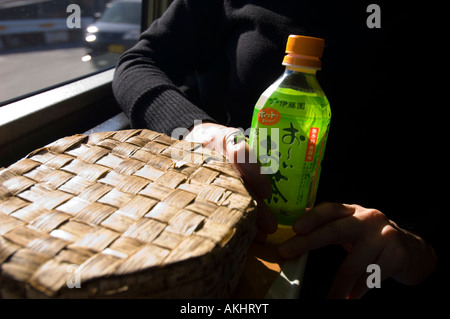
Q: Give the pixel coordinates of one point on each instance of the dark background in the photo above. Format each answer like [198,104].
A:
[387,141]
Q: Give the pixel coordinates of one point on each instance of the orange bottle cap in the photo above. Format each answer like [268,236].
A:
[304,51]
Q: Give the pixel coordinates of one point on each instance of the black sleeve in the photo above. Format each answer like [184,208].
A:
[148,76]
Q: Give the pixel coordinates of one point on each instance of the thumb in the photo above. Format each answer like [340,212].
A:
[243,159]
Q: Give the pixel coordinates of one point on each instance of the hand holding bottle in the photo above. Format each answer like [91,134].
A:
[370,238]
[230,142]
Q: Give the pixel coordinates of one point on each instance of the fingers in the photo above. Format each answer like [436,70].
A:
[336,224]
[333,233]
[369,237]
[351,278]
[230,142]
[321,226]
[244,161]
[364,283]
[320,215]
[384,259]
[242,158]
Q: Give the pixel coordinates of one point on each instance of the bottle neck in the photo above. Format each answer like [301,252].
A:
[297,68]
[300,79]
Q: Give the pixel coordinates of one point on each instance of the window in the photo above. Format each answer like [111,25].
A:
[53,82]
[46,43]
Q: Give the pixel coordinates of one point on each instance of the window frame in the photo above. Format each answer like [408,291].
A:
[82,105]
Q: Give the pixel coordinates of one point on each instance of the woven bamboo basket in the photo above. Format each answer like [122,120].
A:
[126,214]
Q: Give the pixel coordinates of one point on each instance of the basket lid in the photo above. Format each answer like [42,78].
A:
[128,213]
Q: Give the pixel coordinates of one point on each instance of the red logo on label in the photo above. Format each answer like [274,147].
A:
[269,116]
[312,141]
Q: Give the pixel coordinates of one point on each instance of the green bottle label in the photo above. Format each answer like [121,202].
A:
[289,134]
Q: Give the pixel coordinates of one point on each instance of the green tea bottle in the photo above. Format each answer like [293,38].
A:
[289,130]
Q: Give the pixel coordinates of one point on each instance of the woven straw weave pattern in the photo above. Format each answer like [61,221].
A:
[130,213]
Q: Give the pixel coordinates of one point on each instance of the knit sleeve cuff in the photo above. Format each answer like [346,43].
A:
[167,111]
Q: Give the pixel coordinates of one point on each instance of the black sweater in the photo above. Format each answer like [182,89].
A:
[225,52]
[211,60]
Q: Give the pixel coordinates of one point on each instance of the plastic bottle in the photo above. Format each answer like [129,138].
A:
[289,131]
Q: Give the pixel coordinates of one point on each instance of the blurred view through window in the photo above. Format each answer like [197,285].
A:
[44,43]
